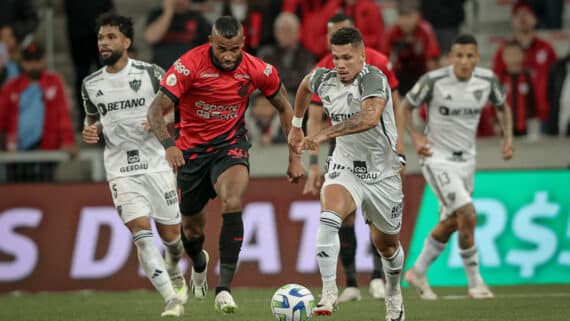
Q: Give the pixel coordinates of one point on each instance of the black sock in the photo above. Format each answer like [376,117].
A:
[347,254]
[378,272]
[231,239]
[193,248]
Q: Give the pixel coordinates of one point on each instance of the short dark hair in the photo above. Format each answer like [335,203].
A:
[227,26]
[340,17]
[465,39]
[125,24]
[345,36]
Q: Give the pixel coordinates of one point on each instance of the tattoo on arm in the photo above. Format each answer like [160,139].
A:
[369,117]
[155,119]
[91,119]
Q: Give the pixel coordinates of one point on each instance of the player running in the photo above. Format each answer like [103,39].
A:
[116,99]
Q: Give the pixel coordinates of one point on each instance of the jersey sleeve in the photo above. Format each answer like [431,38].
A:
[88,105]
[156,74]
[421,92]
[315,79]
[266,79]
[497,96]
[178,79]
[374,84]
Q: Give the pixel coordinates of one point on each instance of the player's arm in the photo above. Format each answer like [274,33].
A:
[302,100]
[506,120]
[92,126]
[162,104]
[419,94]
[399,118]
[315,123]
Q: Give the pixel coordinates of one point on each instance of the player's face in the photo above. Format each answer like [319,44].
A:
[348,61]
[227,52]
[464,58]
[334,27]
[112,45]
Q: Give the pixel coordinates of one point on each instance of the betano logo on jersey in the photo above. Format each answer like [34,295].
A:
[120,105]
[340,117]
[461,111]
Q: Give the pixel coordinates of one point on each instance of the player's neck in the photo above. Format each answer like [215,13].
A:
[118,66]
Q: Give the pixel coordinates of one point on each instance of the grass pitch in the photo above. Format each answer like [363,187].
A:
[518,303]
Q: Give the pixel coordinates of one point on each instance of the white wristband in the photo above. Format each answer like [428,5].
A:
[297,122]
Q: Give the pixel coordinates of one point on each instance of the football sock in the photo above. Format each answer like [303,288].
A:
[471,265]
[153,263]
[377,261]
[328,245]
[172,254]
[231,238]
[392,270]
[347,237]
[431,250]
[194,248]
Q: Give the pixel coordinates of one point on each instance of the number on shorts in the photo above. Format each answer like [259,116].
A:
[114,188]
[443,178]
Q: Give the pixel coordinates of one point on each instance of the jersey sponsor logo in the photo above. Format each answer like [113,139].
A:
[133,156]
[210,111]
[360,167]
[180,68]
[340,117]
[268,70]
[135,84]
[461,111]
[133,167]
[333,175]
[120,105]
[209,75]
[171,80]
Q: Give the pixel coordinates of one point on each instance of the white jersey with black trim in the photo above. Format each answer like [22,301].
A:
[454,109]
[121,101]
[370,155]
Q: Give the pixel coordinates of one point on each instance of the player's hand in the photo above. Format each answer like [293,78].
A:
[508,150]
[174,157]
[146,126]
[90,134]
[314,181]
[295,140]
[310,143]
[295,170]
[423,145]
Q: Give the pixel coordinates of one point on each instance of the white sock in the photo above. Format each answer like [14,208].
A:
[172,254]
[153,263]
[431,251]
[471,265]
[392,271]
[328,246]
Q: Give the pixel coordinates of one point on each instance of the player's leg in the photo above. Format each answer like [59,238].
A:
[347,236]
[376,287]
[336,203]
[170,236]
[466,221]
[230,186]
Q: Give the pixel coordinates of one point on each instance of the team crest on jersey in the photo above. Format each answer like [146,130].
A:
[268,70]
[135,84]
[349,99]
[478,94]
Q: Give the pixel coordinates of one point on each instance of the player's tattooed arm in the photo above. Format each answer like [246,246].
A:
[159,105]
[506,120]
[281,102]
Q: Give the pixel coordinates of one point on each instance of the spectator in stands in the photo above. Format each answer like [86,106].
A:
[366,15]
[288,55]
[517,82]
[21,15]
[82,36]
[445,16]
[9,54]
[263,126]
[539,56]
[559,95]
[36,108]
[174,29]
[411,46]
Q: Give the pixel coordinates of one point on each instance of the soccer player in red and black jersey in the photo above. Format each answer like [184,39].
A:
[316,120]
[210,85]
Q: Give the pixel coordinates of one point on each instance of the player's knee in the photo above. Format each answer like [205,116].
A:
[349,220]
[231,203]
[193,227]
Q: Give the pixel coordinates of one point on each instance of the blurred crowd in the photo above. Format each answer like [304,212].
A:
[36,104]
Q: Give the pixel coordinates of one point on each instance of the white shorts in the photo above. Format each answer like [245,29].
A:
[152,194]
[381,202]
[451,182]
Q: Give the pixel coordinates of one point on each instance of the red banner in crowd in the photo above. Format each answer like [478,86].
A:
[69,237]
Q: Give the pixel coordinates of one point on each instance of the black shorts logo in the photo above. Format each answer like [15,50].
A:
[133,156]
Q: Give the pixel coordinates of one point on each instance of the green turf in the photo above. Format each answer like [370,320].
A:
[520,303]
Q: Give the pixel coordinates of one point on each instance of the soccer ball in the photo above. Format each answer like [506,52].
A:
[292,302]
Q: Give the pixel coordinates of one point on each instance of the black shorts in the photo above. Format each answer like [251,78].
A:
[196,179]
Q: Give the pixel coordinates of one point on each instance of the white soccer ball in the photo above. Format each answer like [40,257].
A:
[292,302]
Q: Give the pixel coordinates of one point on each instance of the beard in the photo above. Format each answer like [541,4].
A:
[111,59]
[34,74]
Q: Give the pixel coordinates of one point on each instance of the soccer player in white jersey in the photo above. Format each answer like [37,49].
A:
[455,96]
[364,167]
[116,99]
